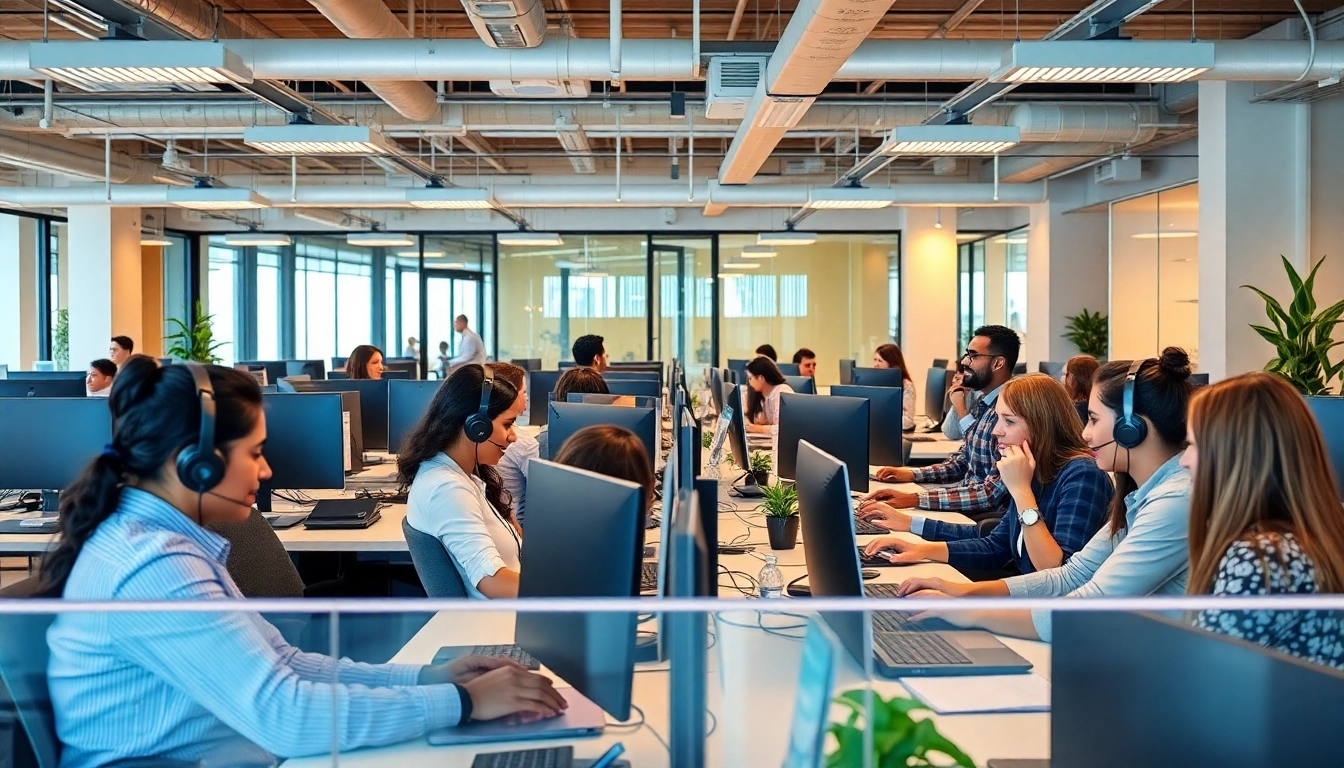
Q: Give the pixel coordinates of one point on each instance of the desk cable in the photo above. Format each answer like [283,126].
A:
[776,631]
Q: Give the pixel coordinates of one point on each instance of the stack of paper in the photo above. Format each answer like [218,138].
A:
[991,693]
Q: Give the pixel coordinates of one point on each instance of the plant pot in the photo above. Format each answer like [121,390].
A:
[783,531]
[762,478]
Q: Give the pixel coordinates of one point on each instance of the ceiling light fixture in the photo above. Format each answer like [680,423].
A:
[155,238]
[593,273]
[788,237]
[455,265]
[1011,240]
[527,237]
[1093,61]
[253,237]
[955,139]
[938,221]
[416,254]
[847,198]
[740,264]
[204,197]
[759,252]
[310,139]
[1172,234]
[729,275]
[377,238]
[188,63]
[450,198]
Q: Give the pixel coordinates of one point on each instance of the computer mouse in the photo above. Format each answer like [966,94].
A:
[869,573]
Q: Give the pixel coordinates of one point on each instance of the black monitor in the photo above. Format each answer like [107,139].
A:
[1187,696]
[803,385]
[939,362]
[1199,379]
[837,425]
[935,394]
[372,406]
[44,388]
[540,388]
[48,375]
[275,369]
[49,440]
[885,417]
[313,369]
[687,437]
[407,402]
[586,540]
[1329,413]
[716,382]
[567,418]
[846,371]
[878,377]
[1053,370]
[739,368]
[338,362]
[527,363]
[829,546]
[652,366]
[411,365]
[788,369]
[333,375]
[636,388]
[403,374]
[737,428]
[630,376]
[1019,369]
[305,445]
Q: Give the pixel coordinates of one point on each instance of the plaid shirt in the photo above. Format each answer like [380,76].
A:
[974,469]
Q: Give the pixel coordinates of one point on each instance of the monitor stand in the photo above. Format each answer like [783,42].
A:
[749,489]
[51,501]
[263,500]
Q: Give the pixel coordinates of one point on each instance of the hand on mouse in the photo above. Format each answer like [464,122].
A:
[895,475]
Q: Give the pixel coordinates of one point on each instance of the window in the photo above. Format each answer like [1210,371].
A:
[223,291]
[268,305]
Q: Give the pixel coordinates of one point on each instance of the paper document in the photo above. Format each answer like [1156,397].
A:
[992,693]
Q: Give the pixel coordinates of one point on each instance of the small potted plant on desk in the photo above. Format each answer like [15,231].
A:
[898,738]
[781,515]
[760,467]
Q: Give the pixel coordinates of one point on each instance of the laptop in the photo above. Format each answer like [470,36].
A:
[583,718]
[897,647]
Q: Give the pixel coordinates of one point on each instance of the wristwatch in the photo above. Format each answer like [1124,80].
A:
[1029,516]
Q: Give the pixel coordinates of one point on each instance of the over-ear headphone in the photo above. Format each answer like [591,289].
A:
[1130,430]
[200,467]
[479,427]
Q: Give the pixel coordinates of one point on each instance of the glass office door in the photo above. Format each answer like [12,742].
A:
[449,293]
[683,301]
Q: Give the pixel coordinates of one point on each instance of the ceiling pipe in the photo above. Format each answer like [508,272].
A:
[72,159]
[1027,164]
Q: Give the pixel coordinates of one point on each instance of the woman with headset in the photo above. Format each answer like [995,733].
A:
[448,461]
[1136,428]
[223,687]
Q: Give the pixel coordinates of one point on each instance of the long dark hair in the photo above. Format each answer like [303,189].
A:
[1078,373]
[357,365]
[1162,392]
[155,413]
[765,368]
[579,380]
[894,357]
[612,451]
[458,397]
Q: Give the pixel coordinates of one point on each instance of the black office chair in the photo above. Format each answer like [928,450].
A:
[258,562]
[939,362]
[1019,369]
[437,572]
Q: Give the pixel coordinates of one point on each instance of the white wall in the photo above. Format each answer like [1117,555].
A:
[105,281]
[928,289]
[1067,271]
[18,291]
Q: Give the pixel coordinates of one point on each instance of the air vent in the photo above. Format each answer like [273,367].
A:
[541,89]
[508,23]
[506,35]
[740,73]
[732,81]
[494,10]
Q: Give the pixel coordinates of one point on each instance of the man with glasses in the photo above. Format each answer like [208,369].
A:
[978,493]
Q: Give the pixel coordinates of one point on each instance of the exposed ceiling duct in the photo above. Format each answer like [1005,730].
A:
[371,19]
[1040,160]
[575,143]
[508,23]
[71,159]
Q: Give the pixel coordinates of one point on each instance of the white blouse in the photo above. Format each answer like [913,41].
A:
[908,406]
[450,504]
[771,405]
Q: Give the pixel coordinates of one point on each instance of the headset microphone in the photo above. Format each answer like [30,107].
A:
[1099,447]
[504,447]
[239,502]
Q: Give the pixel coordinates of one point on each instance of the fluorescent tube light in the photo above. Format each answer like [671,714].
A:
[1098,61]
[593,273]
[740,264]
[951,139]
[786,238]
[216,198]
[759,252]
[378,238]
[525,237]
[187,63]
[450,198]
[416,254]
[846,198]
[155,238]
[1015,240]
[257,238]
[309,139]
[1166,234]
[455,265]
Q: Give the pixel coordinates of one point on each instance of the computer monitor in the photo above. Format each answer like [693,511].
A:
[275,369]
[540,387]
[878,377]
[686,553]
[716,382]
[788,369]
[836,425]
[1187,696]
[846,371]
[737,428]
[397,373]
[527,363]
[1019,369]
[313,369]
[48,375]
[636,388]
[651,366]
[13,387]
[803,385]
[739,368]
[939,362]
[332,375]
[935,394]
[1053,370]
[1199,379]
[305,444]
[567,418]
[372,406]
[338,362]
[407,402]
[585,538]
[49,441]
[885,417]
[687,441]
[812,704]
[1329,413]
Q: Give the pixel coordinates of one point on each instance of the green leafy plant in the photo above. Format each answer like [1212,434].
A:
[898,739]
[1090,333]
[195,342]
[1301,336]
[760,461]
[706,439]
[60,340]
[779,500]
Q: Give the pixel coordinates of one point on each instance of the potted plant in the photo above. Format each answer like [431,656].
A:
[760,467]
[780,506]
[60,341]
[1089,332]
[897,739]
[1302,337]
[195,342]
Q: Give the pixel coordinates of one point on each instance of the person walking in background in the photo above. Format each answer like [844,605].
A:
[472,349]
[412,348]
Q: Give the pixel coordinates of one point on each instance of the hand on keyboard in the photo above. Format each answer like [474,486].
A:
[928,586]
[883,515]
[469,668]
[897,550]
[512,690]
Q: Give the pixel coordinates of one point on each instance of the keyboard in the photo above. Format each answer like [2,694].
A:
[917,649]
[876,562]
[889,621]
[649,552]
[648,577]
[865,528]
[510,652]
[652,521]
[554,757]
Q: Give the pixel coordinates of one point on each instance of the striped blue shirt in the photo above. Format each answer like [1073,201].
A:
[222,688]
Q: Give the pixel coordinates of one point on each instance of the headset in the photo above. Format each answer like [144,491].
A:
[478,427]
[200,467]
[1131,430]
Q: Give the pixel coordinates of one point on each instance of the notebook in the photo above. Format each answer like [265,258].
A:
[990,693]
[343,514]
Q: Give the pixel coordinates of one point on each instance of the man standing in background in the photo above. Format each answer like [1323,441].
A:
[412,348]
[472,349]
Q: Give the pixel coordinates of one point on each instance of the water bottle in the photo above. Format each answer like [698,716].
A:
[771,580]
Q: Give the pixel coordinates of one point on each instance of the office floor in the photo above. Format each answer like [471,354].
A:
[12,570]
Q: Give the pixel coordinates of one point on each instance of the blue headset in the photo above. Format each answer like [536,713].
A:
[1131,430]
[200,467]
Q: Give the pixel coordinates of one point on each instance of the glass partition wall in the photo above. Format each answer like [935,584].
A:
[1155,273]
[992,282]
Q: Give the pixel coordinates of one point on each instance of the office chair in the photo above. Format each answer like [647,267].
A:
[1019,369]
[437,572]
[939,362]
[258,562]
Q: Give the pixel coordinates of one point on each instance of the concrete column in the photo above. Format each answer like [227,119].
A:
[1254,204]
[1068,270]
[1327,199]
[18,291]
[105,280]
[928,289]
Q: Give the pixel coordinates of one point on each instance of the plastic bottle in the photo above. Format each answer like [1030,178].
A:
[771,580]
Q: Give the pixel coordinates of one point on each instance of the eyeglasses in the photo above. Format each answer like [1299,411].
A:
[973,356]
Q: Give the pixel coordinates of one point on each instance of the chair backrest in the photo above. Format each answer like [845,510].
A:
[23,682]
[437,573]
[258,562]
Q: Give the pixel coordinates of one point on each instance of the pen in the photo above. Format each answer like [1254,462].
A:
[609,756]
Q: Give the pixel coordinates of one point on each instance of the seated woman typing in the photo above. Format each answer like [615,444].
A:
[221,688]
[1059,496]
[764,386]
[1264,514]
[1143,549]
[449,461]
[613,451]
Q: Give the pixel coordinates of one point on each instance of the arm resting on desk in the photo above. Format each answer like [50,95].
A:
[503,584]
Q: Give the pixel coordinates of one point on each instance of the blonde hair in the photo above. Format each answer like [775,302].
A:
[1056,434]
[1263,468]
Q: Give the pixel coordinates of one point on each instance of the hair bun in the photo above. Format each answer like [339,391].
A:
[1175,363]
[134,383]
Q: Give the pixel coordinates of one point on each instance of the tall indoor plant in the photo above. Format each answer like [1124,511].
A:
[1302,337]
[1089,332]
[60,341]
[195,342]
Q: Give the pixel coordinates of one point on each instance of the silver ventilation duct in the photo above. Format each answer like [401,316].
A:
[371,19]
